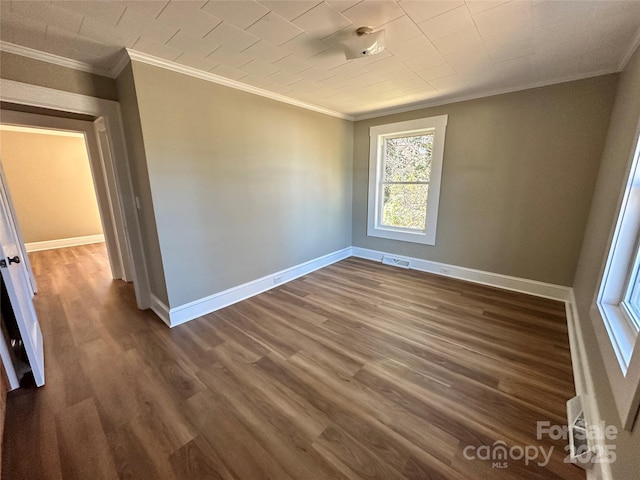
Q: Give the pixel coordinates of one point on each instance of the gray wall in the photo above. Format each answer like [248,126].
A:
[140,180]
[606,203]
[242,186]
[518,175]
[27,70]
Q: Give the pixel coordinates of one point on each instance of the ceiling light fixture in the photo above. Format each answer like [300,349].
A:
[366,42]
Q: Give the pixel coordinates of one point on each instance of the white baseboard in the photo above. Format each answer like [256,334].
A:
[522,285]
[183,313]
[198,308]
[63,243]
[160,309]
[584,384]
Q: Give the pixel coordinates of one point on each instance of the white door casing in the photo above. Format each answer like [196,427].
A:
[108,175]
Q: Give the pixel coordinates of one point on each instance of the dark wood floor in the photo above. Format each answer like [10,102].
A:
[357,371]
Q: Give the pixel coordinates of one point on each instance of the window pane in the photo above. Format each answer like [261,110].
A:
[405,206]
[408,159]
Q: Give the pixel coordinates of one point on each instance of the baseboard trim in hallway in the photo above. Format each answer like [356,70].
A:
[64,243]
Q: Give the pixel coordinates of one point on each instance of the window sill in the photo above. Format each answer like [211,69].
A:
[402,235]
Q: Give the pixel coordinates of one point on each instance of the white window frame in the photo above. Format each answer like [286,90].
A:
[621,354]
[377,135]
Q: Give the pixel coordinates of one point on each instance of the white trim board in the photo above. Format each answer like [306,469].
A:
[160,309]
[130,54]
[52,58]
[198,308]
[463,97]
[584,384]
[183,313]
[227,82]
[516,284]
[64,242]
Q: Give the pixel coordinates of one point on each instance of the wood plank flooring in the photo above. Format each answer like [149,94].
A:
[357,371]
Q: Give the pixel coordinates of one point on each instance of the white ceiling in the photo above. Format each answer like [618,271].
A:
[436,50]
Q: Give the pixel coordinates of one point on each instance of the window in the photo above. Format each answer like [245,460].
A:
[405,165]
[618,301]
[619,295]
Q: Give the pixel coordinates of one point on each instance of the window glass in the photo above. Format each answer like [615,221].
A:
[405,167]
[405,182]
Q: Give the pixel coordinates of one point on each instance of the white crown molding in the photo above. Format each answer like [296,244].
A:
[474,96]
[120,64]
[211,77]
[129,54]
[632,49]
[51,58]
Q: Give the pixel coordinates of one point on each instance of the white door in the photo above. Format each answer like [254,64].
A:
[19,239]
[16,279]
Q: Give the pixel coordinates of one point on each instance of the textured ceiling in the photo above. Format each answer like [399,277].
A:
[436,50]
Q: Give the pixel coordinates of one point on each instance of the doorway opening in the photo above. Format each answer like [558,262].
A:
[106,144]
[99,122]
[56,195]
[57,173]
[49,176]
